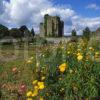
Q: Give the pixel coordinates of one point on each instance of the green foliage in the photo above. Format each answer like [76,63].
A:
[86,33]
[3,31]
[94,41]
[23,28]
[23,31]
[40,41]
[74,32]
[16,33]
[32,32]
[74,36]
[78,80]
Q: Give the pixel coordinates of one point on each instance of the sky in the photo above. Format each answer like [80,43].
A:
[76,14]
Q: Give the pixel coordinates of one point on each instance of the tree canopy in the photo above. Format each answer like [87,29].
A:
[86,33]
[74,32]
[3,31]
[23,31]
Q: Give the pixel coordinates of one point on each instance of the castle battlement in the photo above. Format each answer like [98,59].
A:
[52,26]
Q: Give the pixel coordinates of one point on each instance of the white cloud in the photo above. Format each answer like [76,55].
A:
[21,12]
[81,22]
[64,13]
[30,12]
[1,6]
[93,6]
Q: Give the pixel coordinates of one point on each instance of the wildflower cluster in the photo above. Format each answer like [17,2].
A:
[66,72]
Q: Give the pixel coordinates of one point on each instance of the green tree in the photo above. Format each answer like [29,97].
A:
[4,31]
[32,32]
[74,32]
[23,28]
[74,36]
[25,31]
[16,33]
[86,33]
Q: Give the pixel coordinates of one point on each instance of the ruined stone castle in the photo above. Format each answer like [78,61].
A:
[52,26]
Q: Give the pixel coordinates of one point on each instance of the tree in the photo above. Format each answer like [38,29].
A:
[32,32]
[74,36]
[86,33]
[4,31]
[74,32]
[23,28]
[16,33]
[25,31]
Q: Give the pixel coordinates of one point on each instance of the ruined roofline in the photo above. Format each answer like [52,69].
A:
[41,23]
[52,26]
[62,21]
[47,15]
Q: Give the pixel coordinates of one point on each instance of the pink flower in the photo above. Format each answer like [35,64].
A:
[22,89]
[15,70]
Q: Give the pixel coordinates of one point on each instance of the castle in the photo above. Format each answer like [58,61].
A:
[52,27]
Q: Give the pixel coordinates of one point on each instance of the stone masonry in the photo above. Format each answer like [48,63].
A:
[52,27]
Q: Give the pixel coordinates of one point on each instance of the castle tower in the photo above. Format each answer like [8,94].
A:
[52,26]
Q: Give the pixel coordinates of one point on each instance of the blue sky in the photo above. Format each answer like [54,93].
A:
[75,13]
[80,6]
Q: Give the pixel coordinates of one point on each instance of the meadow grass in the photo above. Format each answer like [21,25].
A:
[51,72]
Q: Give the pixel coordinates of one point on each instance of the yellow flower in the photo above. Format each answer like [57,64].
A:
[37,64]
[71,71]
[97,54]
[36,87]
[62,47]
[41,85]
[47,94]
[91,48]
[60,78]
[79,57]
[35,93]
[43,78]
[78,54]
[87,98]
[70,44]
[62,67]
[35,82]
[41,98]
[29,61]
[29,94]
[68,52]
[62,89]
[31,58]
[78,49]
[29,99]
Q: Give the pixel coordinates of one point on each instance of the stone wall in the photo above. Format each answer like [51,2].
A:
[52,27]
[42,29]
[58,40]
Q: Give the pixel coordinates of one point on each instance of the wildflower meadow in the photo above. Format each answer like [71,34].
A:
[64,71]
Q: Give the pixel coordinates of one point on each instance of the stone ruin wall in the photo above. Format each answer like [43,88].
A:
[52,27]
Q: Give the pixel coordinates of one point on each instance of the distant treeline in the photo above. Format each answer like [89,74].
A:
[21,32]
